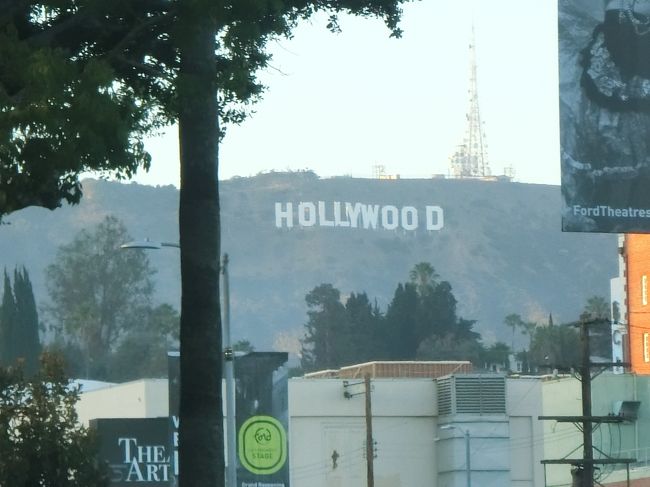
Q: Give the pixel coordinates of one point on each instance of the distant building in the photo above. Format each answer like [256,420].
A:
[144,398]
[631,303]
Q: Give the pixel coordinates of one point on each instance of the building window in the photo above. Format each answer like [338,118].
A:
[644,290]
[646,347]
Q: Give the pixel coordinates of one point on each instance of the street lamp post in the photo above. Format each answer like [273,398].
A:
[468,465]
[229,370]
[228,355]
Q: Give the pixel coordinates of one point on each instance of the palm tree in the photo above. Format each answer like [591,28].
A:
[528,328]
[424,277]
[513,321]
[597,307]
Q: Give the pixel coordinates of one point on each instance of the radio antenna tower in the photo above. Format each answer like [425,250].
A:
[470,159]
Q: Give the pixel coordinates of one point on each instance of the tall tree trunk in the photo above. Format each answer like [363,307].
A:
[201,416]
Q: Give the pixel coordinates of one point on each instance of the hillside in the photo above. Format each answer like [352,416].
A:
[499,244]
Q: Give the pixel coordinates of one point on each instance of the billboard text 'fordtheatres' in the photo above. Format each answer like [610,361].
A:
[604,53]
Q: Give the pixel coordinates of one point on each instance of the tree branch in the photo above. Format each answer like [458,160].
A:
[149,22]
[72,23]
[85,20]
[9,8]
[145,68]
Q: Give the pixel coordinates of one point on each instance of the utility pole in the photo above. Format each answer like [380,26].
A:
[583,468]
[587,423]
[350,390]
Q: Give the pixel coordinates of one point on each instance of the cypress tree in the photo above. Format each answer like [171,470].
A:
[326,334]
[400,335]
[7,324]
[26,331]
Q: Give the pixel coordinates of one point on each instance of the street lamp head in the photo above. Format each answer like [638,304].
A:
[141,244]
[147,244]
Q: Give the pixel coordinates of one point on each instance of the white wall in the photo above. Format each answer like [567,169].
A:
[412,450]
[488,450]
[561,397]
[146,398]
[323,422]
[526,446]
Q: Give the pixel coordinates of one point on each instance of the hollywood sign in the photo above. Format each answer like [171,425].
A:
[357,215]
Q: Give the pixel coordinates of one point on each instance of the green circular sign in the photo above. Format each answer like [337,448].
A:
[262,445]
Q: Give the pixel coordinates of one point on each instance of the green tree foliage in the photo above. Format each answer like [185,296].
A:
[401,327]
[41,440]
[98,291]
[142,352]
[450,347]
[555,347]
[28,344]
[437,312]
[7,323]
[365,328]
[597,310]
[340,334]
[597,307]
[428,320]
[100,307]
[243,346]
[514,322]
[19,323]
[81,83]
[528,329]
[420,322]
[424,277]
[497,354]
[550,346]
[327,331]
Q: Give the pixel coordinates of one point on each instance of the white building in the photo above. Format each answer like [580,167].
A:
[144,398]
[420,427]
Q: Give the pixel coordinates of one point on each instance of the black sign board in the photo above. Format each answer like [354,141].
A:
[137,450]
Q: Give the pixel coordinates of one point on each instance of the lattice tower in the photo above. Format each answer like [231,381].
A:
[470,159]
[378,171]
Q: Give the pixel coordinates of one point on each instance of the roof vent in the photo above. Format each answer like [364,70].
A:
[472,394]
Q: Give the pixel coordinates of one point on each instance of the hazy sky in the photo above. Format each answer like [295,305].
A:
[341,103]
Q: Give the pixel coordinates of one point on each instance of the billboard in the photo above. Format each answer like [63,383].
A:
[262,419]
[137,450]
[604,55]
